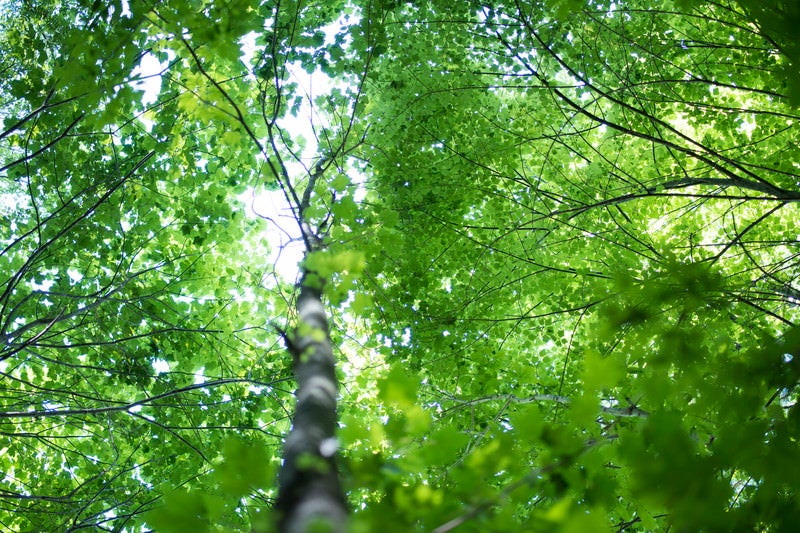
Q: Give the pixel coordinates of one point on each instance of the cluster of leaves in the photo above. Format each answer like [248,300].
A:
[129,346]
[601,298]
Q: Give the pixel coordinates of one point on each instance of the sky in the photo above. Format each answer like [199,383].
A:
[283,235]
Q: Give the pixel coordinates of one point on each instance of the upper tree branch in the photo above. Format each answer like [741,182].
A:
[126,406]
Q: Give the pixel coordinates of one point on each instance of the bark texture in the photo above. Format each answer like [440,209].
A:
[309,491]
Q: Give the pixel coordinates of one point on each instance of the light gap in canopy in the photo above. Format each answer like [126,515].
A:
[283,235]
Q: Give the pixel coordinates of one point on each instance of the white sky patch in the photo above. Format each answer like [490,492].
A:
[284,238]
[258,390]
[446,285]
[74,275]
[283,235]
[747,125]
[148,78]
[160,366]
[44,285]
[13,201]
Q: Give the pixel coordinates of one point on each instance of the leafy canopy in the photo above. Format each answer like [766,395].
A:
[560,243]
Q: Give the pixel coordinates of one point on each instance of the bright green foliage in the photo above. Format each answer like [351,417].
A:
[560,250]
[777,22]
[608,204]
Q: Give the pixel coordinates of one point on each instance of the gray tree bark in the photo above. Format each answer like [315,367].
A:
[309,491]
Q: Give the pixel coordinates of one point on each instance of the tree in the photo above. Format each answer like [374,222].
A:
[555,243]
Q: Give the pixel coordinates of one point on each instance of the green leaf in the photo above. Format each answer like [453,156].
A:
[398,388]
[246,466]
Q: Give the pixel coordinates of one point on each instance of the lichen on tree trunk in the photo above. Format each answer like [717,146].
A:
[309,491]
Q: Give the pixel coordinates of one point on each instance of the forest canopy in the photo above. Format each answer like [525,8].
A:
[555,243]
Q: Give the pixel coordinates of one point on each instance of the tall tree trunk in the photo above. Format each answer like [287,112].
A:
[309,489]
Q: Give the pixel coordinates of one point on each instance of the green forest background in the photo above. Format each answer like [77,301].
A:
[558,243]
